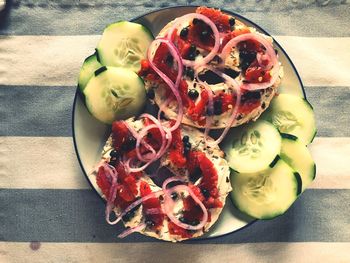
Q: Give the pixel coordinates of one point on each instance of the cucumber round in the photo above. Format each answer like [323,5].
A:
[114,94]
[90,65]
[266,194]
[297,156]
[292,115]
[124,44]
[253,147]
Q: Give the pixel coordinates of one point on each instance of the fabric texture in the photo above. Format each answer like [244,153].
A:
[49,212]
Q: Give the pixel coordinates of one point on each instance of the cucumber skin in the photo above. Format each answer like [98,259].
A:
[289,136]
[313,137]
[97,56]
[100,70]
[314,171]
[294,138]
[121,22]
[300,183]
[86,60]
[87,64]
[273,163]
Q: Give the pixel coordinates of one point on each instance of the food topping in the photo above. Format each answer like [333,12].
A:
[208,39]
[199,51]
[154,218]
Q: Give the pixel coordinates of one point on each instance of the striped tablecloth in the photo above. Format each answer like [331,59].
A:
[49,213]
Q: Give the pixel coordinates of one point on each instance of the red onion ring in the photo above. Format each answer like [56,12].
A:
[132,230]
[136,203]
[137,137]
[252,36]
[153,156]
[270,52]
[210,118]
[171,179]
[232,118]
[213,27]
[153,211]
[169,203]
[164,131]
[135,169]
[173,86]
[163,106]
[113,175]
[142,134]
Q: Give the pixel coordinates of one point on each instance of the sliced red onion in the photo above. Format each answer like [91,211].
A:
[233,116]
[171,179]
[173,86]
[165,133]
[134,169]
[134,204]
[149,158]
[95,168]
[139,139]
[113,175]
[169,203]
[142,134]
[132,230]
[205,60]
[209,119]
[163,106]
[270,55]
[153,211]
[270,52]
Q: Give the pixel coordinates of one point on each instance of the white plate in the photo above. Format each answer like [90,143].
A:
[89,135]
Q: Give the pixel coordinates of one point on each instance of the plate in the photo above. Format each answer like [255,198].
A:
[89,135]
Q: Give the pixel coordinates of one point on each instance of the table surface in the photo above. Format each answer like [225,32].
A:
[49,213]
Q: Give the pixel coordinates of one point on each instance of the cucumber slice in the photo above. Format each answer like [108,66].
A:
[251,148]
[297,156]
[292,115]
[266,194]
[114,94]
[124,44]
[90,65]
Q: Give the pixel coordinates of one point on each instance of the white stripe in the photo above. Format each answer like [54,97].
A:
[50,162]
[43,60]
[332,158]
[311,252]
[40,162]
[320,61]
[55,60]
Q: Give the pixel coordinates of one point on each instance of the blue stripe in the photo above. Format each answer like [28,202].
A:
[78,216]
[46,111]
[45,17]
[36,111]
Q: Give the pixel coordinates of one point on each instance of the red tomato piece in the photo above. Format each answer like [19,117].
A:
[198,110]
[157,219]
[220,20]
[176,156]
[120,134]
[255,74]
[103,182]
[178,231]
